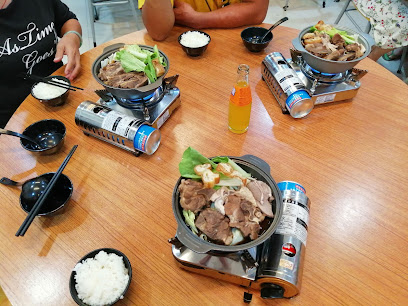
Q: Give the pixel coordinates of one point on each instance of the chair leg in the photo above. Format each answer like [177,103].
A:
[402,59]
[91,20]
[286,5]
[133,8]
[342,11]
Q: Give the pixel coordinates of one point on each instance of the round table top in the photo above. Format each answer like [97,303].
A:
[350,156]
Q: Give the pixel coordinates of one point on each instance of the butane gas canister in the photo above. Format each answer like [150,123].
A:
[281,261]
[126,132]
[288,86]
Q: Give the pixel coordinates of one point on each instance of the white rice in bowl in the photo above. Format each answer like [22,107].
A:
[101,280]
[194,39]
[45,91]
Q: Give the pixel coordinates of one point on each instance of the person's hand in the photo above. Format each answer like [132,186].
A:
[184,14]
[69,46]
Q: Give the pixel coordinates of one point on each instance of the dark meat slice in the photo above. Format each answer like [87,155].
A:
[233,209]
[135,81]
[215,225]
[236,208]
[189,199]
[347,57]
[114,75]
[353,47]
[207,192]
[337,40]
[317,49]
[263,196]
[110,70]
[334,55]
[115,80]
[252,212]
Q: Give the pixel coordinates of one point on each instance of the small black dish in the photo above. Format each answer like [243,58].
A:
[58,100]
[56,199]
[50,133]
[251,36]
[92,254]
[194,51]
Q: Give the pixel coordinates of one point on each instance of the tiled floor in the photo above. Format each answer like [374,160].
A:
[117,20]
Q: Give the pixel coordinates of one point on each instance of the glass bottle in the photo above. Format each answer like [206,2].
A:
[240,102]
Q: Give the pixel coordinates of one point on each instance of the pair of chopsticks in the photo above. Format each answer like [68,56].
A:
[37,206]
[44,80]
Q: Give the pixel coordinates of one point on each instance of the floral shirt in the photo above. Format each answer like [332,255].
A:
[389,21]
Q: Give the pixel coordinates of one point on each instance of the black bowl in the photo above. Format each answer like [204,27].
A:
[58,100]
[194,51]
[50,129]
[56,199]
[252,34]
[92,254]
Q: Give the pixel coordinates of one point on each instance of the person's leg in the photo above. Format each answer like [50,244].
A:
[393,54]
[377,52]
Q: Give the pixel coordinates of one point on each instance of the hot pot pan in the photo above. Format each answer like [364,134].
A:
[329,66]
[128,94]
[260,170]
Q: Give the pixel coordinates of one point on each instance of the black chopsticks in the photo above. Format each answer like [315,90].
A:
[50,81]
[37,206]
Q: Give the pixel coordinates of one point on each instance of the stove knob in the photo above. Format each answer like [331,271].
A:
[271,291]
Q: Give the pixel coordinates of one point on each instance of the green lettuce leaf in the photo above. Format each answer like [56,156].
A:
[130,62]
[190,159]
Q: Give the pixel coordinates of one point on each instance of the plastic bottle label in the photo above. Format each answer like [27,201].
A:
[241,96]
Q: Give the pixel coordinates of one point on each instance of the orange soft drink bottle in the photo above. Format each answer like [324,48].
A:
[240,102]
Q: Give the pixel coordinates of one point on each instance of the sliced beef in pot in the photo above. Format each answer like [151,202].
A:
[317,49]
[114,75]
[189,197]
[338,40]
[263,196]
[215,225]
[334,55]
[236,208]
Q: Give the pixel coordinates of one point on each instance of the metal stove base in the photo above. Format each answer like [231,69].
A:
[157,115]
[321,92]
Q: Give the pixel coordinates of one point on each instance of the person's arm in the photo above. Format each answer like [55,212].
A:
[69,45]
[158,18]
[248,12]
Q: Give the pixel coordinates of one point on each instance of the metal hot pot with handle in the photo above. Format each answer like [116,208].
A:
[260,170]
[134,93]
[329,66]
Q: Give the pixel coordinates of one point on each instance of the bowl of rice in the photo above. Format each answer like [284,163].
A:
[51,95]
[194,43]
[101,277]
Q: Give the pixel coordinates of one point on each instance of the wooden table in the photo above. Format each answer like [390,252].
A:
[352,158]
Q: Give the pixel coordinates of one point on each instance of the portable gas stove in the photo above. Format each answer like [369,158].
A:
[322,87]
[155,108]
[273,267]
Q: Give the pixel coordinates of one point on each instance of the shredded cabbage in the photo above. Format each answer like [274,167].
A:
[189,216]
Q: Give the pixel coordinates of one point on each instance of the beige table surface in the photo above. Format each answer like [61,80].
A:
[352,158]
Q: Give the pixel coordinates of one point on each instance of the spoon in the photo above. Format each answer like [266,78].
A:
[11,133]
[31,189]
[272,27]
[48,139]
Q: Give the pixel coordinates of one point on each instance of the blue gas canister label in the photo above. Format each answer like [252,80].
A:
[142,137]
[296,97]
[289,185]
